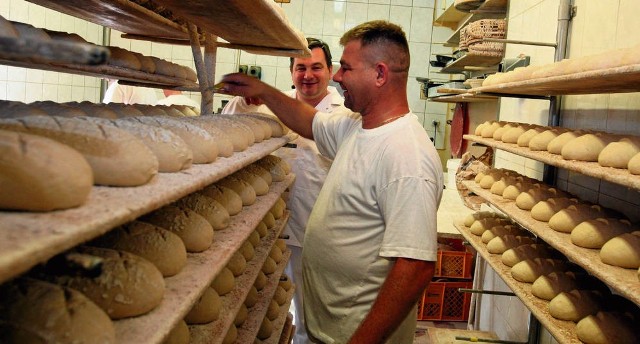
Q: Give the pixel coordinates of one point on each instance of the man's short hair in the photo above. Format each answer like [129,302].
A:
[313,43]
[389,37]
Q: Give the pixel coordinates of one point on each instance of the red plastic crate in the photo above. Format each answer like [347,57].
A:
[454,264]
[442,301]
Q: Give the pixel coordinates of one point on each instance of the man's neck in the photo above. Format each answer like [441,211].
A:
[312,101]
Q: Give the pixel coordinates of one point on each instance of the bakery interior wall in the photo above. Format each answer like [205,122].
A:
[598,26]
[323,19]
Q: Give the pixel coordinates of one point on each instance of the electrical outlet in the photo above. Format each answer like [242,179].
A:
[243,69]
[255,71]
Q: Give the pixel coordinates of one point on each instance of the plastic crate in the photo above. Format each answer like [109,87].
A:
[442,301]
[454,264]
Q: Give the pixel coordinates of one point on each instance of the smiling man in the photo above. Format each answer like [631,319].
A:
[311,78]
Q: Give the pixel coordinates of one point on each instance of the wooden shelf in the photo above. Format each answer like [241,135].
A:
[28,238]
[450,18]
[287,332]
[490,9]
[282,323]
[609,80]
[622,281]
[184,289]
[259,26]
[562,331]
[463,98]
[592,169]
[471,63]
[213,333]
[25,49]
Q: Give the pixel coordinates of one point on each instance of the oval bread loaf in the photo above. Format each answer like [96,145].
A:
[126,286]
[634,164]
[40,174]
[499,244]
[224,282]
[206,309]
[117,158]
[526,200]
[258,184]
[194,230]
[540,142]
[529,270]
[594,233]
[277,128]
[544,210]
[223,140]
[618,154]
[622,251]
[548,286]
[53,313]
[519,253]
[574,305]
[179,334]
[500,230]
[159,246]
[241,136]
[568,218]
[585,148]
[208,208]
[228,198]
[242,188]
[471,218]
[608,327]
[527,136]
[555,145]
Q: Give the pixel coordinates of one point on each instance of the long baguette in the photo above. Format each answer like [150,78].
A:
[40,174]
[117,158]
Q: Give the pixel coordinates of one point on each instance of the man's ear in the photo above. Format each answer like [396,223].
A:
[382,73]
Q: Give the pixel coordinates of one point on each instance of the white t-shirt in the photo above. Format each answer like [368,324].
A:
[126,94]
[309,166]
[379,202]
[178,99]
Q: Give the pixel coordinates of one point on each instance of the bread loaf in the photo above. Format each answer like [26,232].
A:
[276,166]
[125,286]
[540,142]
[7,29]
[282,244]
[260,171]
[548,286]
[194,230]
[555,146]
[479,226]
[594,233]
[526,200]
[574,305]
[544,210]
[586,147]
[258,184]
[608,327]
[28,31]
[252,297]
[514,255]
[488,130]
[206,309]
[223,140]
[471,218]
[119,57]
[269,220]
[208,208]
[280,296]
[261,281]
[513,191]
[53,314]
[278,209]
[273,310]
[277,128]
[203,147]
[98,110]
[481,126]
[241,135]
[266,329]
[260,132]
[231,336]
[254,238]
[269,266]
[568,218]
[172,152]
[499,244]
[224,282]
[529,270]
[618,154]
[498,187]
[241,316]
[512,135]
[40,174]
[237,264]
[500,230]
[179,334]
[117,158]
[262,229]
[497,135]
[622,251]
[285,283]
[228,198]
[242,188]
[161,247]
[527,136]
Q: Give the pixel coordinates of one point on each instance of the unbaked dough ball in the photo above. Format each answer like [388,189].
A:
[513,191]
[574,305]
[529,270]
[498,245]
[276,254]
[618,154]
[273,311]
[247,250]
[261,281]
[269,220]
[541,141]
[252,297]
[544,210]
[481,126]
[568,218]
[479,226]
[594,233]
[179,334]
[471,218]
[266,329]
[206,309]
[488,130]
[622,251]
[498,187]
[241,316]
[549,286]
[555,146]
[224,282]
[497,135]
[262,229]
[519,253]
[500,230]
[254,238]
[526,200]
[586,147]
[525,138]
[608,327]
[634,164]
[282,244]
[280,296]
[269,266]
[231,336]
[512,135]
[237,264]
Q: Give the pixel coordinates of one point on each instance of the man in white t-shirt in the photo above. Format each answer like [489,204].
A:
[126,94]
[311,78]
[371,242]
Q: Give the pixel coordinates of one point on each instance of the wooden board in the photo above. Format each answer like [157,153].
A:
[450,18]
[122,15]
[610,80]
[27,239]
[592,169]
[279,324]
[490,9]
[622,281]
[54,51]
[467,62]
[463,98]
[448,335]
[258,23]
[183,290]
[562,331]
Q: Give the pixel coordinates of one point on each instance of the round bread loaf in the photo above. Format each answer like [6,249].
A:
[500,244]
[471,218]
[266,329]
[622,251]
[574,305]
[488,130]
[618,154]
[500,230]
[247,250]
[224,282]
[228,198]
[206,309]
[586,147]
[607,327]
[231,336]
[254,238]
[269,220]
[596,232]
[548,286]
[555,146]
[179,334]
[273,311]
[194,230]
[529,270]
[161,247]
[258,184]
[217,216]
[40,174]
[127,285]
[242,188]
[241,316]
[261,281]
[634,164]
[51,313]
[525,138]
[519,253]
[544,210]
[568,218]
[116,157]
[262,229]
[480,127]
[252,297]
[526,200]
[278,209]
[269,266]
[237,264]
[540,142]
[479,226]
[497,135]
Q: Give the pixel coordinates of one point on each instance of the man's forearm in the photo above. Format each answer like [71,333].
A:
[296,115]
[400,292]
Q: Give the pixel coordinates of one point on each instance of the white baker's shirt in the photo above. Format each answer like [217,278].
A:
[309,166]
[178,99]
[126,94]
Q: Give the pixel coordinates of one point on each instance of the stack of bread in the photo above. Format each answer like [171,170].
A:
[608,150]
[603,61]
[113,145]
